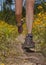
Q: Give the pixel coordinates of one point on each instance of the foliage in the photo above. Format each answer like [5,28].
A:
[39,28]
[8,29]
[7,34]
[40,7]
[8,16]
[8,3]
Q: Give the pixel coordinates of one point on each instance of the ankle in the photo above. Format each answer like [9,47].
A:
[19,24]
[18,19]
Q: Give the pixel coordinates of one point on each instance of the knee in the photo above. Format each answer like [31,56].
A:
[30,3]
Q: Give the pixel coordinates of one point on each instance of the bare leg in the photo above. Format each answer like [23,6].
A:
[18,11]
[18,8]
[29,45]
[29,14]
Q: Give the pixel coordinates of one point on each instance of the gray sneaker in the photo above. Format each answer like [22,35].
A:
[29,45]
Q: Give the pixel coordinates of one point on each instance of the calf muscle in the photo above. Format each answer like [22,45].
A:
[29,14]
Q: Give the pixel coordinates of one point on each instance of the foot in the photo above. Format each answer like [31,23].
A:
[20,28]
[29,45]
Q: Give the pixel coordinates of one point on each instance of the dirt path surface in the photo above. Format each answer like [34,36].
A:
[19,57]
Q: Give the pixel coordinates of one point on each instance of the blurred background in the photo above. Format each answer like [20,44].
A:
[7,6]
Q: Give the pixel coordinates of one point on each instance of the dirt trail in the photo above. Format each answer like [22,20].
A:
[21,58]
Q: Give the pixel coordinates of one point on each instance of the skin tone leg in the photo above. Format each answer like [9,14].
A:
[29,14]
[18,8]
